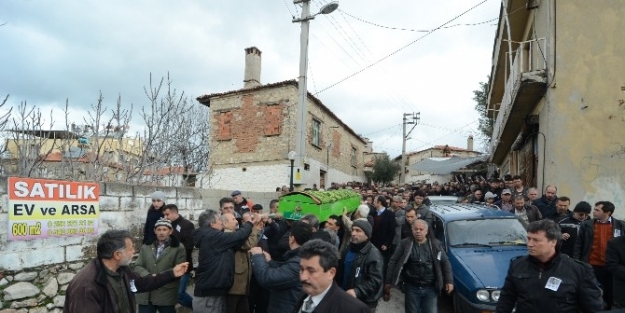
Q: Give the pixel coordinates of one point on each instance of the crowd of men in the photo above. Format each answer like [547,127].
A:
[251,261]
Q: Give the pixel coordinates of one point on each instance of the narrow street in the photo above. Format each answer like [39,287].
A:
[396,304]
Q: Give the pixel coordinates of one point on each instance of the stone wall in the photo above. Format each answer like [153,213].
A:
[34,274]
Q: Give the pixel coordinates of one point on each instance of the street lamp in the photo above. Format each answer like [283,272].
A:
[292,155]
[300,140]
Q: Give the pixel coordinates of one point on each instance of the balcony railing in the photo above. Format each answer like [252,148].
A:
[530,56]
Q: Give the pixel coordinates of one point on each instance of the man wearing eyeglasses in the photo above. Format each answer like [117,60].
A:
[155,212]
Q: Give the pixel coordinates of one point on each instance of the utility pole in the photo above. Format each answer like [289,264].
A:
[409,118]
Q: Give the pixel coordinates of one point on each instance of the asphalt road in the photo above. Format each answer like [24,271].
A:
[396,304]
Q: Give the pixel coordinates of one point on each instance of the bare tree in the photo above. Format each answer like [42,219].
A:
[174,140]
[32,141]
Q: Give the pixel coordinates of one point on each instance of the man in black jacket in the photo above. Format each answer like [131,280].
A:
[282,278]
[615,263]
[183,231]
[546,280]
[215,273]
[318,264]
[547,203]
[360,269]
[600,229]
[570,227]
[383,228]
[422,264]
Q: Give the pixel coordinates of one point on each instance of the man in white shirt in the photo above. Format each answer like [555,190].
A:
[318,264]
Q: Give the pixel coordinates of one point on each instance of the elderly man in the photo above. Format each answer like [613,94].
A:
[548,281]
[164,253]
[236,301]
[214,275]
[422,264]
[107,284]
[318,266]
[241,204]
[360,270]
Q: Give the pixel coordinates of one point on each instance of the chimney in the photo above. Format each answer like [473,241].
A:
[470,143]
[251,77]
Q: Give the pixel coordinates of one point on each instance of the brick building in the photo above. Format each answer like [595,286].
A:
[253,130]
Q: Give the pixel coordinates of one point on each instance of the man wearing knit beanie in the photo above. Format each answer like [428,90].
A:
[570,227]
[361,266]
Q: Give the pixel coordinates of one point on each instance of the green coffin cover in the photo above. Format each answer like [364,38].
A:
[294,205]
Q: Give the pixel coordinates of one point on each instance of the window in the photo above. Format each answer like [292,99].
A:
[353,157]
[316,133]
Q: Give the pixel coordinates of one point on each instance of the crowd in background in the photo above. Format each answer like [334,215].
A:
[254,260]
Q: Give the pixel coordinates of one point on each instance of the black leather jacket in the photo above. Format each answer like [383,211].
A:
[575,287]
[586,235]
[215,272]
[366,274]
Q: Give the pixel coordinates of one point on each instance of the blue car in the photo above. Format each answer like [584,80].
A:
[480,242]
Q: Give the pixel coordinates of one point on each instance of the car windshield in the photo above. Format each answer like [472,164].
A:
[486,232]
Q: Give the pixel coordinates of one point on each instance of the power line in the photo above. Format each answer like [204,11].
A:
[287,7]
[415,30]
[400,49]
[448,134]
[390,96]
[381,130]
[425,30]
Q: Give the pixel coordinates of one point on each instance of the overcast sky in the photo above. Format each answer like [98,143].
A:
[57,50]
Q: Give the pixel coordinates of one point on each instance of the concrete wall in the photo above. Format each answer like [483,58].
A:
[35,273]
[121,207]
[584,117]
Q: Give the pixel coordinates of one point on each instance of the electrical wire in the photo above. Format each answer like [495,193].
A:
[448,134]
[381,130]
[343,31]
[391,136]
[400,49]
[414,30]
[425,30]
[287,7]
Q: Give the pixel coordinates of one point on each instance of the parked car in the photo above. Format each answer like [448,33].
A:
[443,199]
[480,243]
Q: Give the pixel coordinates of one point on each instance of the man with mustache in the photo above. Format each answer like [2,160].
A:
[107,284]
[318,264]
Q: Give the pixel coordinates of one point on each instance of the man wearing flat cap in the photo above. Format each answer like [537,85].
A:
[360,271]
[241,205]
[160,255]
